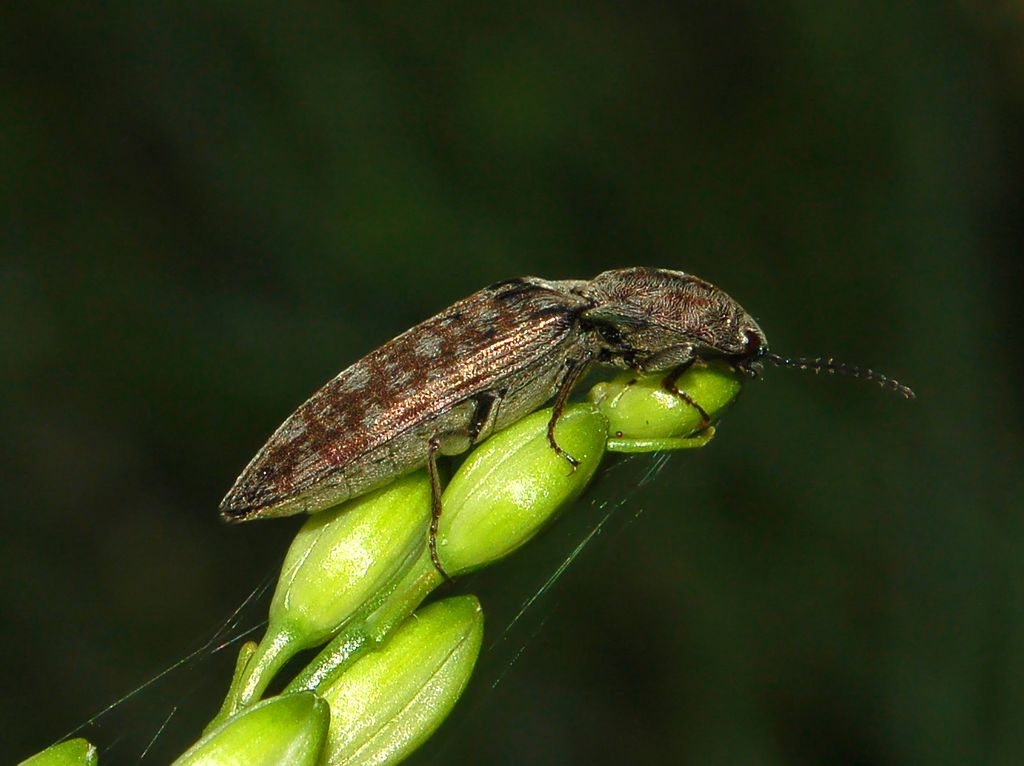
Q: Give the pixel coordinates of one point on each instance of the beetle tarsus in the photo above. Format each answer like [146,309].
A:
[574,369]
[669,384]
[572,461]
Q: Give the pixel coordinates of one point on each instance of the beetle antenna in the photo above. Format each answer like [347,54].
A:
[831,366]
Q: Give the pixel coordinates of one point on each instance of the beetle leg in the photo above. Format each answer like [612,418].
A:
[667,358]
[574,370]
[670,385]
[435,505]
[485,414]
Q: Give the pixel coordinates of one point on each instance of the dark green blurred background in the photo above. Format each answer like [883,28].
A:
[207,213]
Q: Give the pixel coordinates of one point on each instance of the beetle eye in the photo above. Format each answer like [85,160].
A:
[753,345]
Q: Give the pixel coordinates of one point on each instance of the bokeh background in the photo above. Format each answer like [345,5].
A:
[209,209]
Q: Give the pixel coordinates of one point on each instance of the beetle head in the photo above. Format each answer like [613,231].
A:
[661,319]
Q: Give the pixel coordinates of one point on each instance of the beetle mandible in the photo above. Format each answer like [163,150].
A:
[485,362]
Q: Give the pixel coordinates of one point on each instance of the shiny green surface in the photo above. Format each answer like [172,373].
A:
[644,416]
[511,485]
[392,699]
[75,752]
[290,729]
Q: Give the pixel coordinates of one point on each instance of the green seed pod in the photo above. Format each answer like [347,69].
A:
[288,729]
[74,752]
[390,700]
[342,557]
[340,564]
[644,416]
[512,485]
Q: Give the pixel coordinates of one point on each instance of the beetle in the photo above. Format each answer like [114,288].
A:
[485,362]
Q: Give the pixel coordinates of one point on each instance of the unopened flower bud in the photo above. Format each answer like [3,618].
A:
[390,700]
[511,485]
[74,752]
[644,416]
[342,557]
[288,729]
